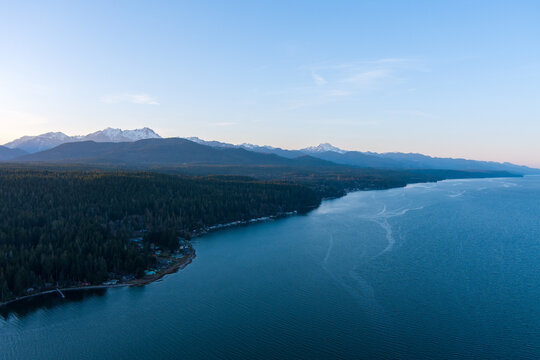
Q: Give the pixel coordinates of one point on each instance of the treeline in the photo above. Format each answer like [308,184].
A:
[69,227]
[334,181]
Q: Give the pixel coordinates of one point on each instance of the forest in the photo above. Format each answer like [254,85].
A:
[65,227]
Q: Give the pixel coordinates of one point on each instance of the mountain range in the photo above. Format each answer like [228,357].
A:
[391,160]
[146,147]
[162,152]
[33,144]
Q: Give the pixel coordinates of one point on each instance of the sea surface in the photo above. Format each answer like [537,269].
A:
[447,270]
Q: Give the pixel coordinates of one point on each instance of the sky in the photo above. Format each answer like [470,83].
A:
[444,78]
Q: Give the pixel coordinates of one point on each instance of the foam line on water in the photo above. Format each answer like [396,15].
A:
[349,278]
[389,236]
[458,194]
[357,287]
[403,211]
[381,218]
[330,246]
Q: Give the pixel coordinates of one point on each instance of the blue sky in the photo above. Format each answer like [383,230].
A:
[454,78]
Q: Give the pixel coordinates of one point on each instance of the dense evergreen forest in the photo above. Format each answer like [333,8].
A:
[69,227]
[335,181]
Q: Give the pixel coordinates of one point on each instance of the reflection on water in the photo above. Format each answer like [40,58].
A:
[47,301]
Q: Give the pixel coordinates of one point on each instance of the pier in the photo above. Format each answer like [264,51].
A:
[60,292]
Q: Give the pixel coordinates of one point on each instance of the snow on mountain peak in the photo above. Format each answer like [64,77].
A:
[49,140]
[119,135]
[323,147]
[139,134]
[40,142]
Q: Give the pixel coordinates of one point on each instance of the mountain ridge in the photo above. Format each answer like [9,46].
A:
[389,160]
[168,151]
[8,154]
[34,144]
[324,151]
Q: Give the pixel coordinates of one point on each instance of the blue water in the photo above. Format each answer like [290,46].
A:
[431,271]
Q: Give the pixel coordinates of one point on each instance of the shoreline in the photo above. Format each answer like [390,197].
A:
[180,264]
[208,229]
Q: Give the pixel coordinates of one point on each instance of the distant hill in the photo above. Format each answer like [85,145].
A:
[397,161]
[162,152]
[291,154]
[419,161]
[8,154]
[360,159]
[33,144]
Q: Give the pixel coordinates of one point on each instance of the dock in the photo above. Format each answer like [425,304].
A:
[60,292]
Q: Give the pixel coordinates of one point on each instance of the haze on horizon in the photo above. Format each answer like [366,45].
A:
[454,79]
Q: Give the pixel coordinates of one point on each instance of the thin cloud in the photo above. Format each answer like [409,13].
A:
[343,81]
[368,77]
[364,75]
[319,80]
[143,99]
[363,64]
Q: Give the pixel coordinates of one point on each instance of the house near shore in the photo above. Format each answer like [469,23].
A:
[111,282]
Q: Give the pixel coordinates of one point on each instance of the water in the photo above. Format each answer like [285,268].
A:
[447,271]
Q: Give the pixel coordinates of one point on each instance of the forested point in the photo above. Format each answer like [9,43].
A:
[71,227]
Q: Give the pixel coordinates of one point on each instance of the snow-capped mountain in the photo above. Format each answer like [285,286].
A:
[32,144]
[265,149]
[322,148]
[246,146]
[41,142]
[212,143]
[119,135]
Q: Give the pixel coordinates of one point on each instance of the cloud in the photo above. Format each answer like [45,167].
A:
[357,77]
[344,81]
[404,63]
[319,80]
[143,99]
[368,77]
